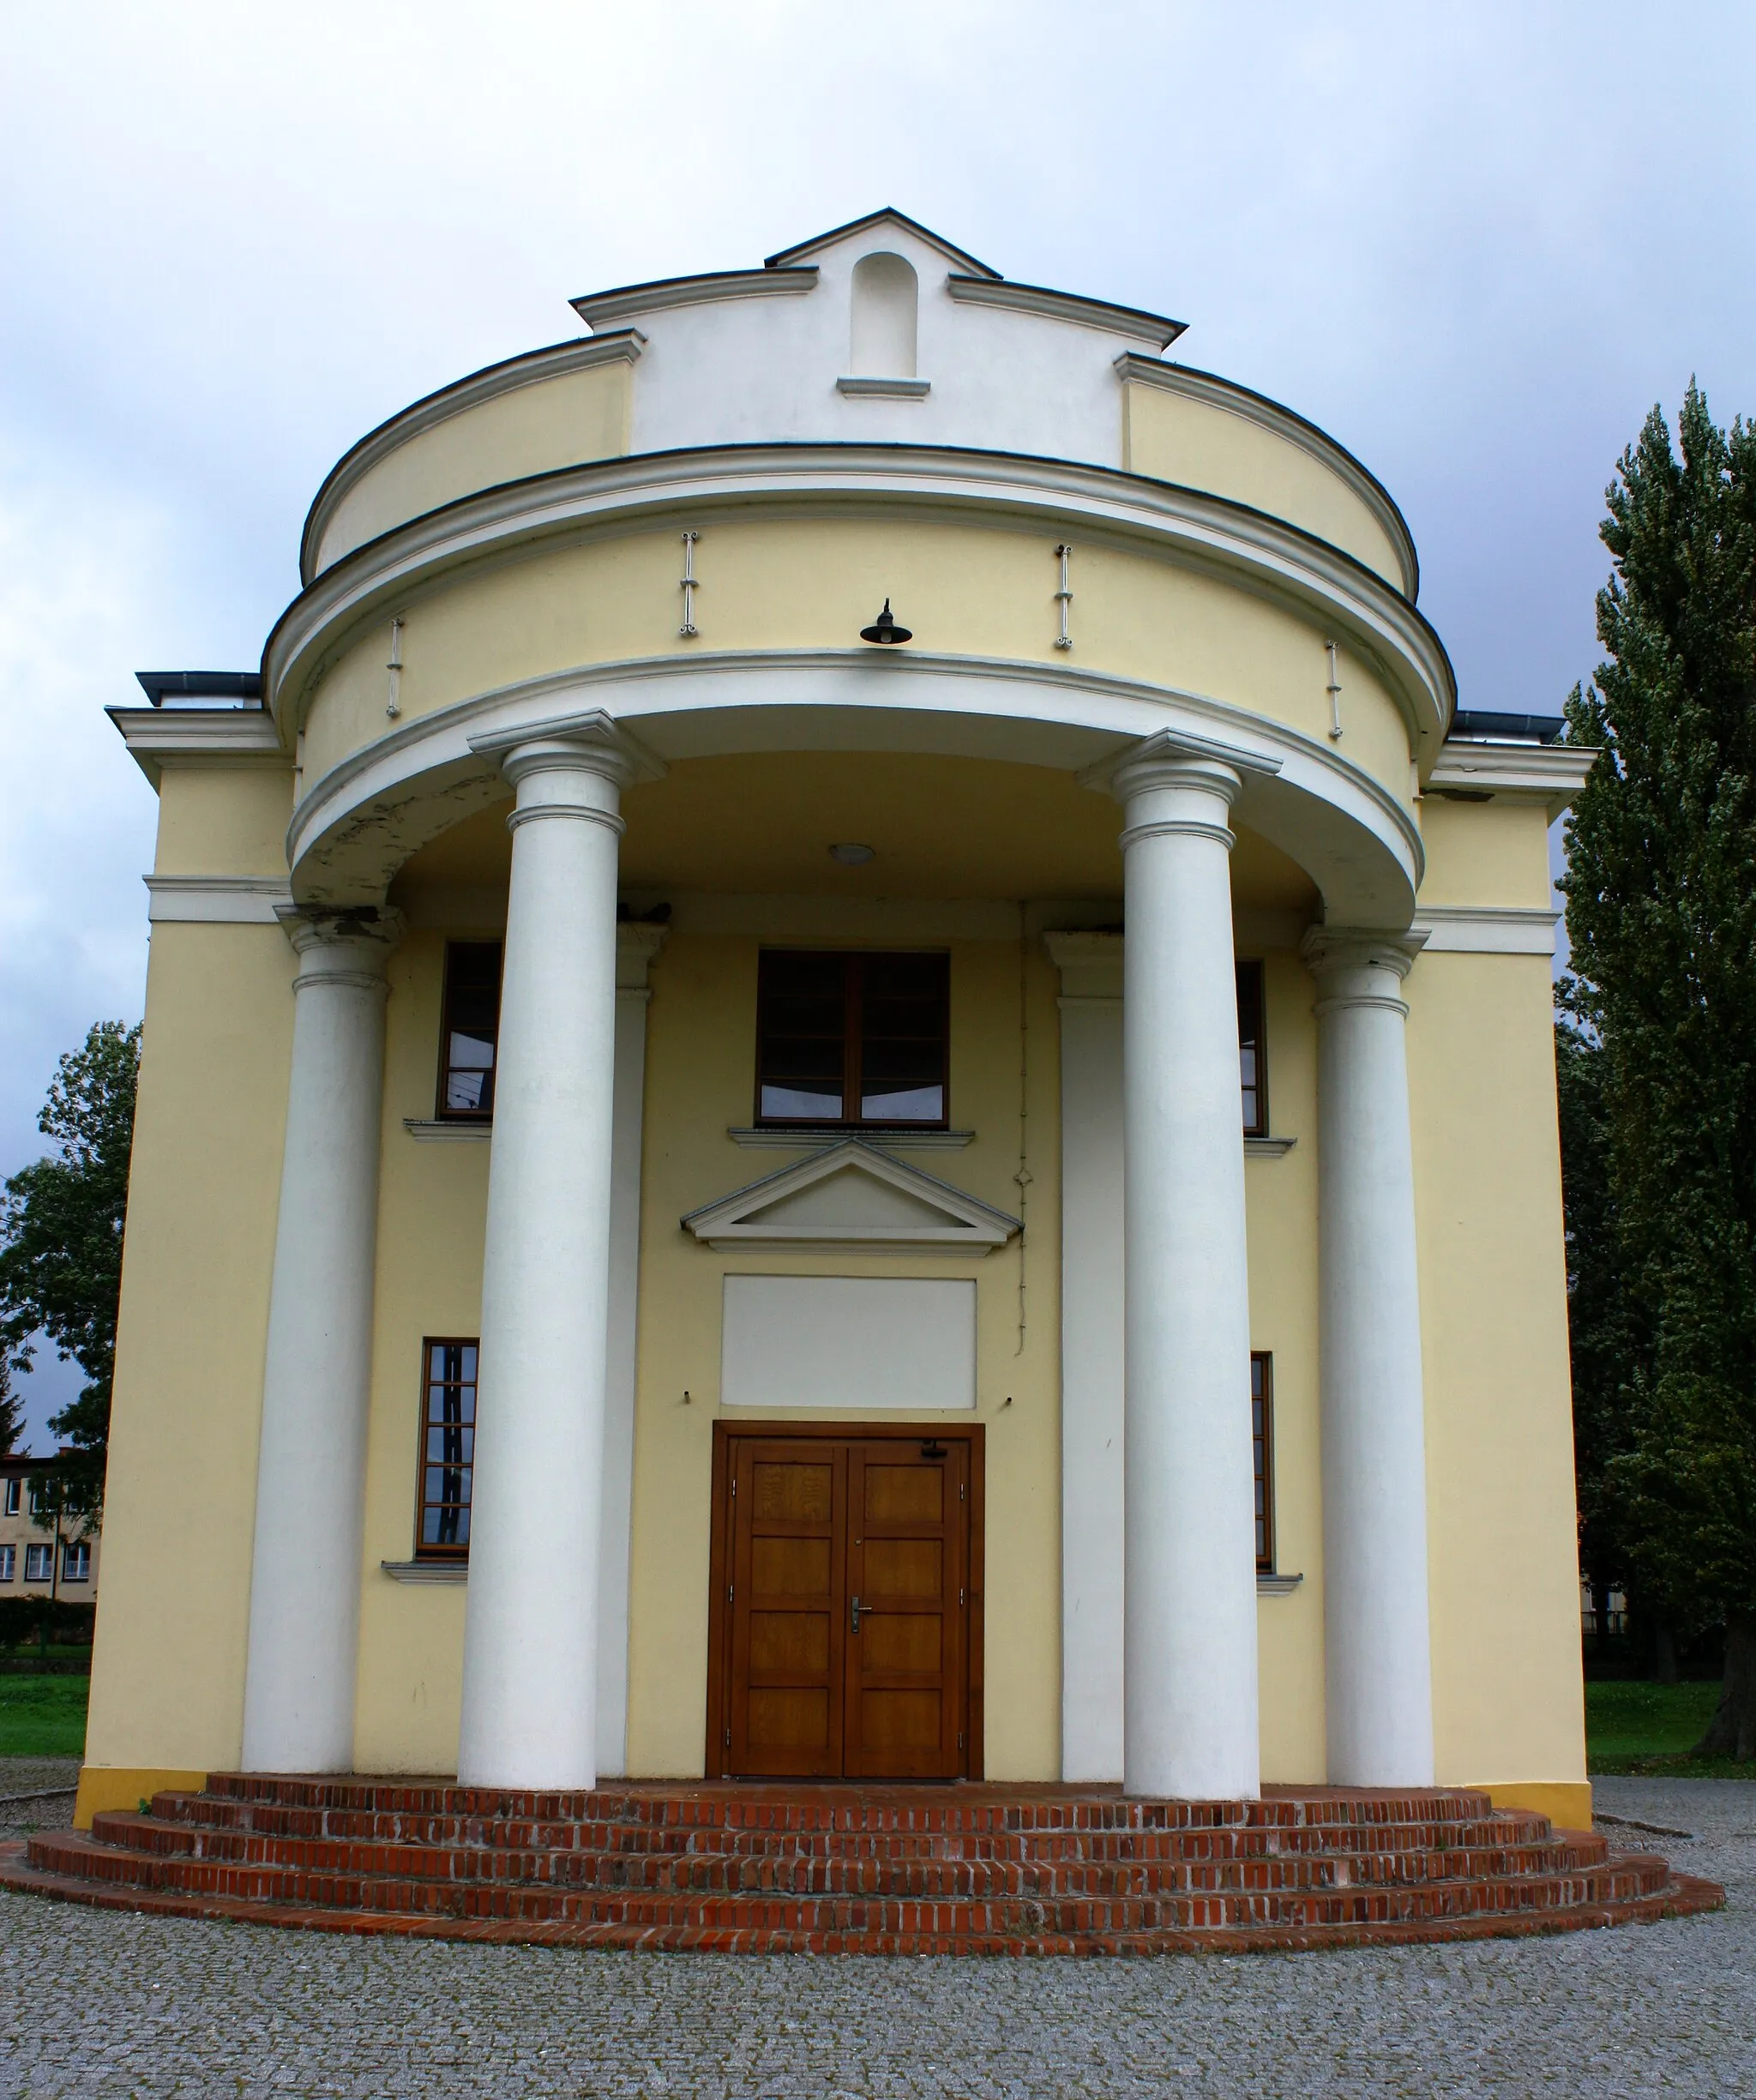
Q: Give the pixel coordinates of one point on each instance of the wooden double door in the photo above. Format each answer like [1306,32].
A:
[844,1634]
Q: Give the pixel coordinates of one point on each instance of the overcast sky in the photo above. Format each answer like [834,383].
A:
[1474,243]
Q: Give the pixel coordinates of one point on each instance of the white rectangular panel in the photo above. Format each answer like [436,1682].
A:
[862,1342]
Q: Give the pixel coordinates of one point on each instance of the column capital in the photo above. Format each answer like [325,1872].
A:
[1351,964]
[574,743]
[347,944]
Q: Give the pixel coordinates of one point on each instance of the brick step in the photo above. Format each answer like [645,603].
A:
[706,1865]
[849,1808]
[1681,1896]
[1620,1880]
[603,1834]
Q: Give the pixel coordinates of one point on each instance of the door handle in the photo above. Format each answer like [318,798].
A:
[855,1609]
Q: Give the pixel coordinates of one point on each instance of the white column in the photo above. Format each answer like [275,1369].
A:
[635,947]
[1377,1648]
[530,1667]
[1189,1687]
[1092,1314]
[310,1471]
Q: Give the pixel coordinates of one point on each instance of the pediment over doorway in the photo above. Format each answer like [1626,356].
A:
[853,1196]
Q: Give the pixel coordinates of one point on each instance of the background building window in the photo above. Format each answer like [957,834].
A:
[76,1561]
[470,1028]
[1252,1065]
[447,1448]
[1262,1447]
[9,1562]
[13,1496]
[38,1564]
[852,1040]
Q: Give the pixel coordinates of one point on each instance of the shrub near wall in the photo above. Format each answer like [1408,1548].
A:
[44,1618]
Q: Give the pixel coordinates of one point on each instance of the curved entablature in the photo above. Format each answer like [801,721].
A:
[770,356]
[355,829]
[1111,515]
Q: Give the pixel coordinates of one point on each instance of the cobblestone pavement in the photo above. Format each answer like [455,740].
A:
[100,2003]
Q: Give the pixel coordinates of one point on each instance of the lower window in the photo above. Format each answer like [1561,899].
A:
[77,1562]
[9,1562]
[1262,1449]
[447,1447]
[39,1563]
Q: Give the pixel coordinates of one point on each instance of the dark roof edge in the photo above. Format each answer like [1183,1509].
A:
[159,685]
[784,257]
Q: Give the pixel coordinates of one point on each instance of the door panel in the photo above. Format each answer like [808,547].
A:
[788,1557]
[805,1686]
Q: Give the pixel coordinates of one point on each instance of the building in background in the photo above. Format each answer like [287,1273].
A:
[847,1072]
[39,1558]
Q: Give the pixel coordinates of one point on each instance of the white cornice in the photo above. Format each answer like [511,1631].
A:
[530,370]
[767,1139]
[1131,322]
[449,1131]
[886,389]
[157,737]
[456,1571]
[1485,930]
[217,900]
[1552,774]
[595,308]
[1214,392]
[612,495]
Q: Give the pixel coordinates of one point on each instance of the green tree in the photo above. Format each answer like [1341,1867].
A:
[11,1411]
[1661,892]
[61,1246]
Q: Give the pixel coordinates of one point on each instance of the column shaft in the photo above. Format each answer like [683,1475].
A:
[306,1575]
[1377,1645]
[530,1684]
[1190,1689]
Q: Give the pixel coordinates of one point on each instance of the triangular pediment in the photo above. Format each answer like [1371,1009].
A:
[807,252]
[853,1196]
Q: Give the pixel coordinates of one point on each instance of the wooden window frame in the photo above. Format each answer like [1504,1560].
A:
[854,962]
[442,1112]
[9,1562]
[424,1551]
[1253,1029]
[43,1553]
[69,1547]
[1262,1452]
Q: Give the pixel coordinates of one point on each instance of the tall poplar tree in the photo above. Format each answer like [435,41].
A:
[1661,891]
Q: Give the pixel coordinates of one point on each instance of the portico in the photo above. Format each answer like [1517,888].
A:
[1022,1064]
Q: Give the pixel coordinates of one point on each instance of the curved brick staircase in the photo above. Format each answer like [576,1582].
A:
[963,1870]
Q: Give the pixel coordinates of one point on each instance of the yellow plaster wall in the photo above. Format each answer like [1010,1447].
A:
[432,1207]
[167,1682]
[1485,853]
[1201,446]
[1281,1217]
[810,583]
[534,428]
[223,820]
[700,1079]
[1507,1695]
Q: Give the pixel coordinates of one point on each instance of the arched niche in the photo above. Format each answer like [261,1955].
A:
[886,298]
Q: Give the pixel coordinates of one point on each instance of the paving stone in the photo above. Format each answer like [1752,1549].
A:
[115,2004]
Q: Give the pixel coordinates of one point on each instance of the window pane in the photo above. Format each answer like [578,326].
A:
[820,1104]
[1250,1059]
[471,1027]
[447,1446]
[918,1104]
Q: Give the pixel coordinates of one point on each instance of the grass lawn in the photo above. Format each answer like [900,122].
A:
[43,1717]
[1650,1729]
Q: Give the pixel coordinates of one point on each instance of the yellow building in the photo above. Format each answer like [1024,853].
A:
[988,1168]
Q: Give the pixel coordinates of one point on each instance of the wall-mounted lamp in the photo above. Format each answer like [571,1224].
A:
[852,856]
[885,628]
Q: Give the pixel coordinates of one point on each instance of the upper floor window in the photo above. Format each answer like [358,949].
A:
[470,1028]
[14,1495]
[1252,1066]
[76,1560]
[886,298]
[447,1448]
[852,1039]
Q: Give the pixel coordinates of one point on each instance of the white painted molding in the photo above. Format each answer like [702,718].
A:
[556,361]
[1268,1148]
[1278,1585]
[1552,774]
[637,945]
[1132,322]
[1487,930]
[1098,503]
[623,301]
[217,900]
[890,389]
[836,237]
[1214,392]
[588,726]
[755,1137]
[156,737]
[852,1197]
[427,1571]
[1090,964]
[446,1130]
